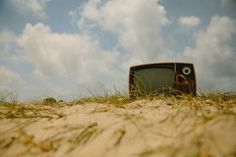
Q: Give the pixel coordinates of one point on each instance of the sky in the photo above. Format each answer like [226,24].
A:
[73,48]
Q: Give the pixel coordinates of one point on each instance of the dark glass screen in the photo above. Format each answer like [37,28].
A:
[153,79]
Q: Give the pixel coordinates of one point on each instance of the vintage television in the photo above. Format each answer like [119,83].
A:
[162,78]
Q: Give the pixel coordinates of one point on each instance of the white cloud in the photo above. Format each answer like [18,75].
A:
[214,57]
[6,37]
[191,21]
[66,55]
[7,49]
[9,80]
[137,25]
[226,3]
[64,62]
[31,6]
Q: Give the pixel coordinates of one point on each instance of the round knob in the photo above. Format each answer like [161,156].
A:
[186,70]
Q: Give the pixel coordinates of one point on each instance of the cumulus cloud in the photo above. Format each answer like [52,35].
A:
[66,55]
[31,6]
[190,21]
[225,3]
[213,55]
[137,25]
[9,79]
[63,62]
[7,42]
[6,37]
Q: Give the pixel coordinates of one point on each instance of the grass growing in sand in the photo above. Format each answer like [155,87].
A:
[48,108]
[73,127]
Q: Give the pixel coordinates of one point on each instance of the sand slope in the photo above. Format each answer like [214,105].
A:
[140,129]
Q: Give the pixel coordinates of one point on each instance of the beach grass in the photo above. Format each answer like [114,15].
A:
[196,111]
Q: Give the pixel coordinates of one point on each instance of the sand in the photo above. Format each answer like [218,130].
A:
[139,129]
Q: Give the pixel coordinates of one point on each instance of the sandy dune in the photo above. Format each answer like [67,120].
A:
[141,129]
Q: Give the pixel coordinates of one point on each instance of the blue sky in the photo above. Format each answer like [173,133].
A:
[66,49]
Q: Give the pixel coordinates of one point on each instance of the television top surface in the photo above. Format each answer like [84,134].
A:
[160,63]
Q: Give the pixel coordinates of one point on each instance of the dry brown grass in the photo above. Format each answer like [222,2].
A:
[79,136]
[48,107]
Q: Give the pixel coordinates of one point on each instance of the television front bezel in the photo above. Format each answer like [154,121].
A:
[171,65]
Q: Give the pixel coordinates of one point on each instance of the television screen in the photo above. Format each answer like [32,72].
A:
[152,79]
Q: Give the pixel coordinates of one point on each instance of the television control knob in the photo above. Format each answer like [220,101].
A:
[186,70]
